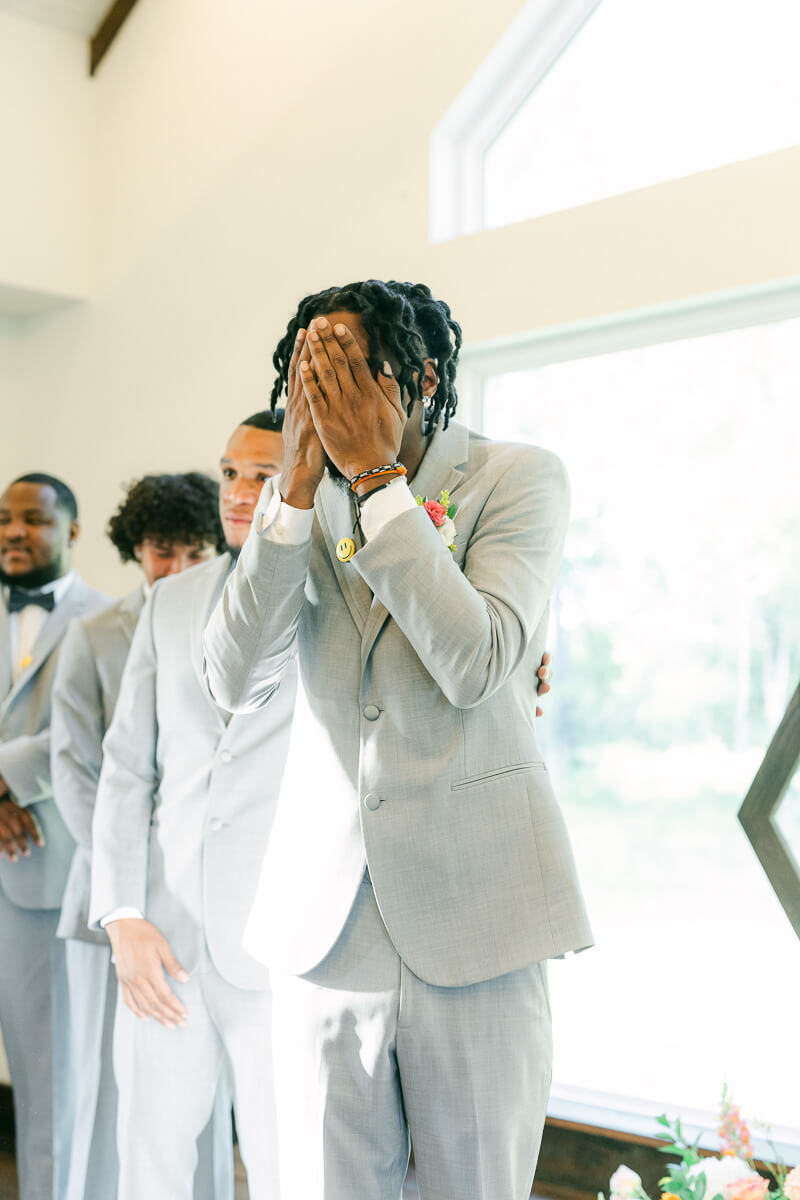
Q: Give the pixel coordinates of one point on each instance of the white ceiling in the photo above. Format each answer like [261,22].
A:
[73,16]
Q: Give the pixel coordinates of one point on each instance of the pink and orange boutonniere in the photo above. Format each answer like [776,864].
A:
[441,512]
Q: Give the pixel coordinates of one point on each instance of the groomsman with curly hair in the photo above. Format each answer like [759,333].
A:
[166,523]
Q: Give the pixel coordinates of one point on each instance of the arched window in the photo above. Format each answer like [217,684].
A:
[584,99]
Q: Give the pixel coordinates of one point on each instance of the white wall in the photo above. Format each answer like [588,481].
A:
[12,398]
[45,148]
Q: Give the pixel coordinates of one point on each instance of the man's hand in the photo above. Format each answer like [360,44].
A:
[18,828]
[142,955]
[303,455]
[359,419]
[544,674]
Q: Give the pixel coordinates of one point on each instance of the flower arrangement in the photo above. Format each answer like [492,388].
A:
[441,512]
[729,1176]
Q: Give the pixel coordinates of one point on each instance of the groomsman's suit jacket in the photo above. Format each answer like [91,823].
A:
[187,794]
[413,744]
[88,676]
[38,881]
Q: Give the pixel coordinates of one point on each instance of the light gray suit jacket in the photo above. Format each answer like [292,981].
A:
[38,881]
[187,794]
[413,743]
[88,676]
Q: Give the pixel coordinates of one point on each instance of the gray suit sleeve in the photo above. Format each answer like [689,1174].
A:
[472,629]
[251,636]
[25,766]
[77,727]
[128,784]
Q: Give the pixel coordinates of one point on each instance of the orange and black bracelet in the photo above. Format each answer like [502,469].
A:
[395,468]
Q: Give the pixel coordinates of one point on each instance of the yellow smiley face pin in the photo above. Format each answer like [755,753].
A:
[345,549]
[26,661]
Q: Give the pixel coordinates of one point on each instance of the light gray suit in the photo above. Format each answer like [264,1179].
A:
[87,681]
[33,999]
[184,809]
[90,667]
[414,749]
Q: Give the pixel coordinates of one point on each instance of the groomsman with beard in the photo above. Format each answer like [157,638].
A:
[166,524]
[183,812]
[39,596]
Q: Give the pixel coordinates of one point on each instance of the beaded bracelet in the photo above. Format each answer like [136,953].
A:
[395,468]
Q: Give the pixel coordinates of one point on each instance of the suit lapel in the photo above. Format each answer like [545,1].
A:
[204,598]
[5,652]
[335,515]
[72,605]
[128,612]
[439,471]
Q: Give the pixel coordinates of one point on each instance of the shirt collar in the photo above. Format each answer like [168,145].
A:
[59,587]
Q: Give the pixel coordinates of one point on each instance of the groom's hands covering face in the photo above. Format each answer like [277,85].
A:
[359,419]
[303,454]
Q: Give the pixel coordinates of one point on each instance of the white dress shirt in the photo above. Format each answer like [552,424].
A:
[25,626]
[279,522]
[127,914]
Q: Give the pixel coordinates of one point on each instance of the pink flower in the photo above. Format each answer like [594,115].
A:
[733,1132]
[752,1187]
[436,511]
[791,1187]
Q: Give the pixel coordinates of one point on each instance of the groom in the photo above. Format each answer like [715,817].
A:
[419,872]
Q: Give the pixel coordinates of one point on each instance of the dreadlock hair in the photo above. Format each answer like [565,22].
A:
[393,328]
[266,419]
[441,334]
[65,497]
[168,508]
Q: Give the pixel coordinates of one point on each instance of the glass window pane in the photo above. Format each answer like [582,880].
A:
[788,817]
[648,92]
[677,645]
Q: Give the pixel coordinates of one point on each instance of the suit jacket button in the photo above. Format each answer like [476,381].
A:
[372,712]
[215,824]
[226,756]
[372,801]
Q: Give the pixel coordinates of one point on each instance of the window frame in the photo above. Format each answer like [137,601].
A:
[719,312]
[534,41]
[694,317]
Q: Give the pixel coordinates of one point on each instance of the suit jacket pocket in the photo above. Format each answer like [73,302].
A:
[461,785]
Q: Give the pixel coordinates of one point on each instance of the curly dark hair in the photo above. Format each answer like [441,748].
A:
[168,508]
[401,319]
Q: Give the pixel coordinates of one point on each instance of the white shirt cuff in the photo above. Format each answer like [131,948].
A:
[384,506]
[281,523]
[121,914]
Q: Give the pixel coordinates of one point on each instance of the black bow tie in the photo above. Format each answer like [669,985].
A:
[18,599]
